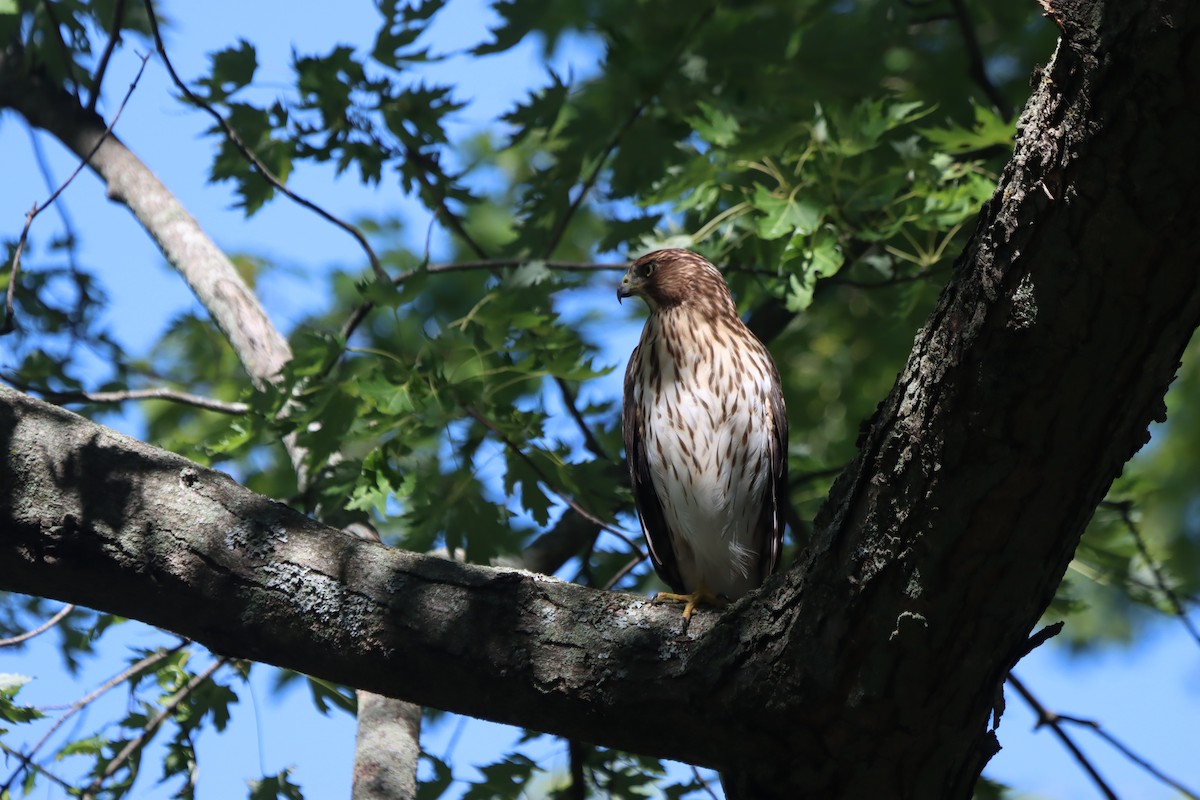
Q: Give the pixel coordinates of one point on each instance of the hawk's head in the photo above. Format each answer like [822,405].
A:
[667,278]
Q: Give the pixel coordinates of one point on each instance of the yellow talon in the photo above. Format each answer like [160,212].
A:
[690,601]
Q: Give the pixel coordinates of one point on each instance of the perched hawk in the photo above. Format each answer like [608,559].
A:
[705,433]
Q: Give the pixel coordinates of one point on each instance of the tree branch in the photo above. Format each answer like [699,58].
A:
[114,36]
[1045,717]
[152,726]
[124,396]
[976,66]
[84,702]
[1125,509]
[40,629]
[260,167]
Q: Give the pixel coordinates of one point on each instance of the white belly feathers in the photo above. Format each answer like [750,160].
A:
[708,455]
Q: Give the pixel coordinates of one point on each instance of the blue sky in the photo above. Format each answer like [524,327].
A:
[1148,695]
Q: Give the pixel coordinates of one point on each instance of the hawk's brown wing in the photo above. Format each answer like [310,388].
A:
[650,512]
[771,523]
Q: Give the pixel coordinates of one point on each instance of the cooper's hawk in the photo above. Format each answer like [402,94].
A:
[705,433]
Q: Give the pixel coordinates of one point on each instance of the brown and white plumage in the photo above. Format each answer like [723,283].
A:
[705,432]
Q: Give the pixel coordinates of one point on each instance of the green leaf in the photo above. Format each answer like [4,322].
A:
[89,746]
[784,216]
[718,127]
[988,130]
[274,787]
[504,780]
[232,69]
[10,684]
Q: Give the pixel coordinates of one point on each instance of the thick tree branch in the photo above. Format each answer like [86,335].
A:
[1031,384]
[158,537]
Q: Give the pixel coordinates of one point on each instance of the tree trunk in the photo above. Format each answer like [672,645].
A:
[873,667]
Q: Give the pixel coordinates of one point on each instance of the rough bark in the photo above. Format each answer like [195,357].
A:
[870,669]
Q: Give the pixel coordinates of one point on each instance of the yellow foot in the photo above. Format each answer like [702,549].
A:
[690,601]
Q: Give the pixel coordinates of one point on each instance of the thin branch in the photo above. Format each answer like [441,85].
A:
[170,395]
[9,320]
[544,478]
[975,63]
[45,626]
[1125,509]
[263,170]
[112,683]
[1045,717]
[1038,639]
[814,475]
[28,762]
[152,726]
[83,702]
[589,439]
[102,67]
[560,228]
[449,218]
[625,570]
[65,51]
[703,783]
[1132,756]
[360,313]
[895,280]
[39,155]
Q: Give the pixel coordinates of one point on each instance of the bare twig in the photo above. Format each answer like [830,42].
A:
[625,570]
[40,629]
[9,321]
[1038,639]
[152,726]
[360,313]
[544,478]
[895,280]
[814,475]
[975,63]
[65,51]
[703,783]
[589,439]
[1132,756]
[1125,509]
[39,155]
[1046,717]
[27,762]
[102,67]
[170,395]
[449,218]
[263,170]
[560,228]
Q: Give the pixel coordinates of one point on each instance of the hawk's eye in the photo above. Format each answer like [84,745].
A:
[648,269]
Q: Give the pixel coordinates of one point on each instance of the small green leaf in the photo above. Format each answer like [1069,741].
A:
[783,216]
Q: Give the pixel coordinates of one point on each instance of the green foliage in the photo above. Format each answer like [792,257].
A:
[834,190]
[274,787]
[9,710]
